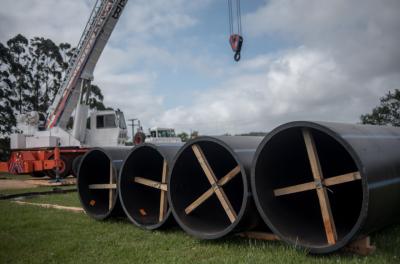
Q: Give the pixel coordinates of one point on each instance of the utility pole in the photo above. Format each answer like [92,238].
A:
[132,124]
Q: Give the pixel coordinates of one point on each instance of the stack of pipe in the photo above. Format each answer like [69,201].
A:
[315,185]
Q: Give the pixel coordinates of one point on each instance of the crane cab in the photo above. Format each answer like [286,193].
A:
[106,128]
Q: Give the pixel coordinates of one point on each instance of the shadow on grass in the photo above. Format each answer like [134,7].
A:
[387,242]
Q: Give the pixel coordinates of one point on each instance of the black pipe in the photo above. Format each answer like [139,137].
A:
[95,169]
[76,162]
[188,181]
[142,203]
[358,206]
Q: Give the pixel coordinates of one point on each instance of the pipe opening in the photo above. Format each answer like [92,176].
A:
[188,182]
[284,161]
[142,202]
[94,171]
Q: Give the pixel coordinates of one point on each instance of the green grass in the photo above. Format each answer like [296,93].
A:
[68,199]
[39,235]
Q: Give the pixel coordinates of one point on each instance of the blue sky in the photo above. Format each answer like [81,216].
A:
[169,62]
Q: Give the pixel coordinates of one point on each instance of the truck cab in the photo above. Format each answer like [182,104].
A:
[106,128]
[162,135]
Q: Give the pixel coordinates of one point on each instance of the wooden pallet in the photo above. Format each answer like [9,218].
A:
[361,246]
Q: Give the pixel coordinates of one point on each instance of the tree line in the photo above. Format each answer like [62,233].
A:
[31,73]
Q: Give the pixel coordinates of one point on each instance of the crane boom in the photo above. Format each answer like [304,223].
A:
[102,21]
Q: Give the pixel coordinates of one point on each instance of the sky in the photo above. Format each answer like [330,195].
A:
[169,63]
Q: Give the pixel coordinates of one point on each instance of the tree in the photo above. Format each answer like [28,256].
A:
[253,134]
[96,98]
[194,134]
[19,58]
[7,92]
[31,73]
[184,136]
[46,66]
[4,149]
[387,113]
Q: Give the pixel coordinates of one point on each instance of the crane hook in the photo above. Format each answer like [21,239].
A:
[236,42]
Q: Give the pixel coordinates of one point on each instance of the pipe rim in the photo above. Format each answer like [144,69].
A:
[115,198]
[322,127]
[124,164]
[246,190]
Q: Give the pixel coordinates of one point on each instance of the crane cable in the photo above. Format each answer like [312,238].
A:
[235,39]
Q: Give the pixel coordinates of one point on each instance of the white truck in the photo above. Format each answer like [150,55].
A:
[162,135]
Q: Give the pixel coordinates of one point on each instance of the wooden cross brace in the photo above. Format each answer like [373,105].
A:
[162,186]
[111,187]
[319,184]
[216,186]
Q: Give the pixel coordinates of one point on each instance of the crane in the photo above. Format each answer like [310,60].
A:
[37,151]
[102,21]
[40,152]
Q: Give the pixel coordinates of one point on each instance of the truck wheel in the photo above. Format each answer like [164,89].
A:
[65,169]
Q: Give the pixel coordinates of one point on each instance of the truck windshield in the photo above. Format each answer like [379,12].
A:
[166,133]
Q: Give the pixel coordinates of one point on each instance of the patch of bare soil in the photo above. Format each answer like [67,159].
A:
[47,182]
[6,184]
[15,184]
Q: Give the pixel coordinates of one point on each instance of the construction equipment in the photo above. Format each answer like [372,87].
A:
[33,151]
[156,135]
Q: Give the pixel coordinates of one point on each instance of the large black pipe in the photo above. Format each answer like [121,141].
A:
[358,206]
[188,182]
[141,203]
[94,170]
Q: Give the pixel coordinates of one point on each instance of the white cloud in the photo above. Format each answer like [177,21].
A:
[339,58]
[348,58]
[156,17]
[62,21]
[301,84]
[362,35]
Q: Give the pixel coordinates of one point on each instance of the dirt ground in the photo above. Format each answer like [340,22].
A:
[6,184]
[16,184]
